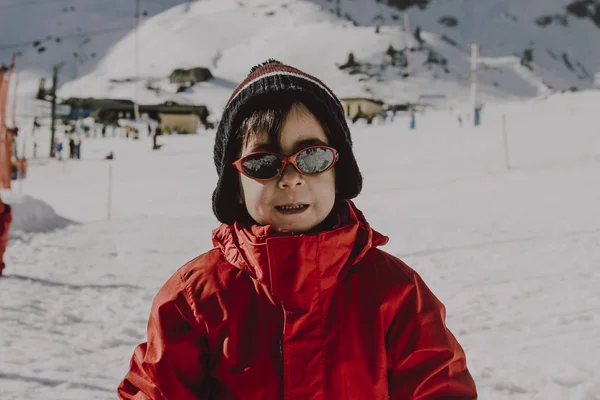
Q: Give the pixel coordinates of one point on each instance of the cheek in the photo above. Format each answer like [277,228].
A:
[248,189]
[324,188]
[253,194]
[329,181]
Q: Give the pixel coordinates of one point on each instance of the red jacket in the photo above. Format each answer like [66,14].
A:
[5,220]
[268,316]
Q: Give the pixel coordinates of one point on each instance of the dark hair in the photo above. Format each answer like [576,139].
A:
[270,120]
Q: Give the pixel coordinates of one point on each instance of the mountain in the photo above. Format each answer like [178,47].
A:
[526,51]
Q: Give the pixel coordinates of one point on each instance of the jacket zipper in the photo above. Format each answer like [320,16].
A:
[282,362]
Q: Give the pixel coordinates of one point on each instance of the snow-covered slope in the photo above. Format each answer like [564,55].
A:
[65,27]
[562,34]
[230,36]
[514,255]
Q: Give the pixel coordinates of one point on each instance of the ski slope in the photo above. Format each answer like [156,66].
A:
[513,254]
[95,47]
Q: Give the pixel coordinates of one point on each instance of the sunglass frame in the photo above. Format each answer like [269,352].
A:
[285,160]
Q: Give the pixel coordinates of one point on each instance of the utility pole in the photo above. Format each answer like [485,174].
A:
[78,60]
[474,58]
[53,112]
[136,107]
[338,11]
[407,40]
[15,100]
[406,30]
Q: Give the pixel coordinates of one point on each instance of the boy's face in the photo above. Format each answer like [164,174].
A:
[264,200]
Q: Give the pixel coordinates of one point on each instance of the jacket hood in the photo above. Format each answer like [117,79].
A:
[293,263]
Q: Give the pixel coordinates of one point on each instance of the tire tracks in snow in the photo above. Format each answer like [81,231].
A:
[474,246]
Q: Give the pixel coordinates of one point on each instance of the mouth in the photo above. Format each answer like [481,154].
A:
[287,209]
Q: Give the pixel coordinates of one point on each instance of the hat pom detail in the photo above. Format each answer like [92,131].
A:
[269,61]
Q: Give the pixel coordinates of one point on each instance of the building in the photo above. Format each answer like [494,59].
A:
[362,107]
[182,123]
[181,116]
[190,76]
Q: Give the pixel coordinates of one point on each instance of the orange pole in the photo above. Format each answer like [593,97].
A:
[5,142]
[4,179]
[1,84]
[14,105]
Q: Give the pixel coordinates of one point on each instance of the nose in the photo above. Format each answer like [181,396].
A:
[290,178]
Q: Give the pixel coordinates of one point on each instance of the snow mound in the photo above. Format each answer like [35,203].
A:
[35,216]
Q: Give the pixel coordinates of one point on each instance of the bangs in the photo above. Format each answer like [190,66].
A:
[269,119]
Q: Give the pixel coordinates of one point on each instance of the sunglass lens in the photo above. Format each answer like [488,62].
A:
[262,166]
[315,160]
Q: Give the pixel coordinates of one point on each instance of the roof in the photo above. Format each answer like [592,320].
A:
[127,105]
[362,99]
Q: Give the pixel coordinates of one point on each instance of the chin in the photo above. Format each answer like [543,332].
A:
[294,228]
[299,226]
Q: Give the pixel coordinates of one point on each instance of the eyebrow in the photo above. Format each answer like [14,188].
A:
[262,146]
[270,147]
[309,142]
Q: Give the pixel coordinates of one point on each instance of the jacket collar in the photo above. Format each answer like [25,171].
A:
[292,265]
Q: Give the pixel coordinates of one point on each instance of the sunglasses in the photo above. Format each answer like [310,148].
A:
[264,166]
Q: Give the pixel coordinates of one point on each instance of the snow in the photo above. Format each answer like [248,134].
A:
[86,27]
[201,35]
[514,254]
[219,33]
[31,215]
[511,246]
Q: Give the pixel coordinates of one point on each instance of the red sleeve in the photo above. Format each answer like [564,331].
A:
[425,362]
[5,220]
[172,363]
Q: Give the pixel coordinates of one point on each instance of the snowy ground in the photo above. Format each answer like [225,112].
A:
[515,255]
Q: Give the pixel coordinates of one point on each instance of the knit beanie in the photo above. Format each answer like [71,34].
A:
[269,80]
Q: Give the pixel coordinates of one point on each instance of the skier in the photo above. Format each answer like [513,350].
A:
[72,148]
[59,149]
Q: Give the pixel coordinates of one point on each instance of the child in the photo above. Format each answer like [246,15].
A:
[295,301]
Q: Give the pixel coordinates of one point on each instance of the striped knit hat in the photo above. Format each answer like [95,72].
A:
[278,82]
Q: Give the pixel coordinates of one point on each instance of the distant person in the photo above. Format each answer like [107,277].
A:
[5,220]
[477,121]
[155,145]
[460,121]
[59,149]
[72,151]
[78,141]
[296,299]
